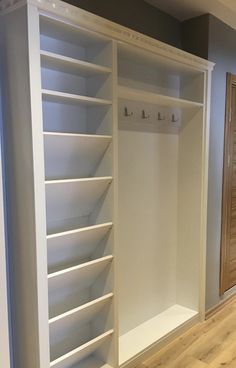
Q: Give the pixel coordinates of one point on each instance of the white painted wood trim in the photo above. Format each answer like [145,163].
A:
[112,30]
[115,200]
[205,163]
[39,187]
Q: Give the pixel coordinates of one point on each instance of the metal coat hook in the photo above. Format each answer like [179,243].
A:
[144,115]
[127,113]
[174,119]
[159,117]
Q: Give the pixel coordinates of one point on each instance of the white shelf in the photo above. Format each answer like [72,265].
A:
[140,338]
[83,313]
[132,94]
[61,97]
[78,135]
[80,155]
[94,232]
[69,65]
[105,179]
[81,352]
[91,268]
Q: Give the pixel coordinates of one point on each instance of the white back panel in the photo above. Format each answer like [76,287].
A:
[147,225]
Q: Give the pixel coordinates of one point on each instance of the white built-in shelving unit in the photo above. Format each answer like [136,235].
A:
[110,137]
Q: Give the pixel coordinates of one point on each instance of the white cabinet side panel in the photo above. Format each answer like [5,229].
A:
[189,210]
[25,190]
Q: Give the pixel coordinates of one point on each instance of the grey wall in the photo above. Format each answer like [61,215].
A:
[220,40]
[195,35]
[137,15]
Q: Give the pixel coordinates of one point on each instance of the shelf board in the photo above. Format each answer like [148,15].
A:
[83,313]
[95,229]
[80,154]
[140,338]
[94,266]
[74,356]
[69,65]
[104,179]
[64,195]
[77,135]
[61,97]
[132,94]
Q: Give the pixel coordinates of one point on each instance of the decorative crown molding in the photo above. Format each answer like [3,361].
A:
[109,29]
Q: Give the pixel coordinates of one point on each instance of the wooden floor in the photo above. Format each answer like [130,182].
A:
[210,344]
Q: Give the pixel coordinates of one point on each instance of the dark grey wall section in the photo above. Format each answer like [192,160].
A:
[195,35]
[137,15]
[219,44]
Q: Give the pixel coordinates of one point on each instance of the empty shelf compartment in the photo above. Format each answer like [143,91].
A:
[86,347]
[75,42]
[53,61]
[79,326]
[78,246]
[70,155]
[63,117]
[77,201]
[78,285]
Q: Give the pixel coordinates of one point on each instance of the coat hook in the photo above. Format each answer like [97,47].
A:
[127,113]
[159,117]
[144,115]
[173,119]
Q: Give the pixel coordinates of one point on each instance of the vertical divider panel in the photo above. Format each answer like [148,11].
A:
[204,194]
[39,187]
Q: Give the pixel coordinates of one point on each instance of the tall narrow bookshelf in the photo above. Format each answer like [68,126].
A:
[106,137]
[76,81]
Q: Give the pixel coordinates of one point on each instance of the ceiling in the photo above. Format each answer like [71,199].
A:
[185,9]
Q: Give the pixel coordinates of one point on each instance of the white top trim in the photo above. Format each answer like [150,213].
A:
[85,19]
